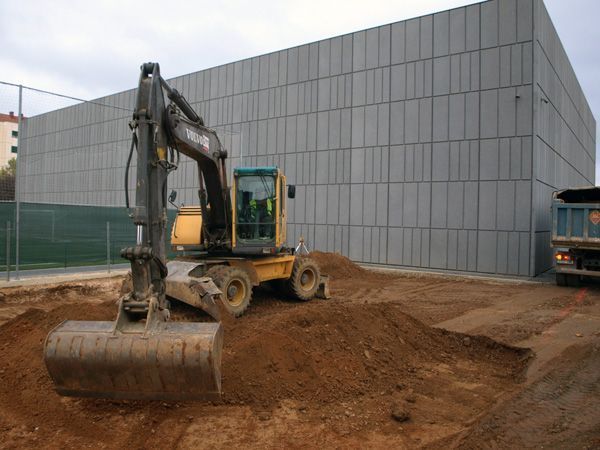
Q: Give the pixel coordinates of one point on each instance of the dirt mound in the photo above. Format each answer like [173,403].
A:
[336,352]
[324,354]
[59,292]
[24,382]
[343,359]
[337,265]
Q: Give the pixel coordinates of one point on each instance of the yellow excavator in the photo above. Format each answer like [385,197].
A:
[234,240]
[251,251]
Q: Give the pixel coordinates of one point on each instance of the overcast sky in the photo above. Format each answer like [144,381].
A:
[90,49]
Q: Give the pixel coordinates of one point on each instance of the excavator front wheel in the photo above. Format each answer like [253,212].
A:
[235,285]
[304,280]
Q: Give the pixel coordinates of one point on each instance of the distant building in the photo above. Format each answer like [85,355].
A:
[8,137]
[432,143]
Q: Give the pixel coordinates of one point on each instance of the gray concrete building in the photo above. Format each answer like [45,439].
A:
[432,143]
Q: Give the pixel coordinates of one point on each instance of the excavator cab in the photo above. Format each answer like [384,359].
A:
[259,212]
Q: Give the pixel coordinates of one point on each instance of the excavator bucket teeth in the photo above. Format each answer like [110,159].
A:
[174,361]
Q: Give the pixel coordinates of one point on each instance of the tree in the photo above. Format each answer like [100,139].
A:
[10,169]
[7,180]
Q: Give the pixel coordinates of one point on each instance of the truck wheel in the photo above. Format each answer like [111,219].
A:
[304,280]
[236,287]
[561,279]
[573,280]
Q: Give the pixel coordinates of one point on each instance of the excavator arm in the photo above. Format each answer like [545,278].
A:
[160,131]
[142,354]
[202,145]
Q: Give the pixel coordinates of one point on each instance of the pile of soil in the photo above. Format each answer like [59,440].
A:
[345,359]
[336,352]
[25,387]
[58,293]
[315,352]
[17,300]
[328,353]
[337,265]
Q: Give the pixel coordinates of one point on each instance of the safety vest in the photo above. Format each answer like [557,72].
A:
[253,206]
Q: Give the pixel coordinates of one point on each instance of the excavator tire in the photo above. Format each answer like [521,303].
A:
[235,285]
[214,271]
[304,280]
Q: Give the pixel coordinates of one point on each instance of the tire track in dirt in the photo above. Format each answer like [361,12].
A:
[391,291]
[560,409]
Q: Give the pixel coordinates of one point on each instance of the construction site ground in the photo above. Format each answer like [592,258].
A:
[390,361]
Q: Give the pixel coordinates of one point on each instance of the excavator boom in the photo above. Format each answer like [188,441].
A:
[142,355]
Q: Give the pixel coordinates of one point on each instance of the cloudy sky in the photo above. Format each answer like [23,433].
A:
[90,49]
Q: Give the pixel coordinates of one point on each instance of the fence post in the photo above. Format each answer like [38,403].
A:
[8,250]
[108,245]
[17,180]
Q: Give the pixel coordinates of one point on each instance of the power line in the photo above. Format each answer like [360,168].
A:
[65,96]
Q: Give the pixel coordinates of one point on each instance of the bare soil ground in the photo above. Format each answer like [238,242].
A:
[391,361]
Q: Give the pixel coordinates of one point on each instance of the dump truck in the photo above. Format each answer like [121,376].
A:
[576,234]
[234,240]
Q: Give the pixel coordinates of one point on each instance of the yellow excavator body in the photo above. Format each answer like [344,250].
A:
[258,237]
[186,236]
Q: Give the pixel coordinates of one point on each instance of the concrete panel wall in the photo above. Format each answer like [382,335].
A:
[410,144]
[565,131]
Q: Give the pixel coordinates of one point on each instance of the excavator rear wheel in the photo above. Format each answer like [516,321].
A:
[304,280]
[235,285]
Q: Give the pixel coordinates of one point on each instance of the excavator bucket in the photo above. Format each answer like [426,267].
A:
[128,360]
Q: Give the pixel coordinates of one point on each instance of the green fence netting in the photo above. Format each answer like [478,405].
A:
[54,235]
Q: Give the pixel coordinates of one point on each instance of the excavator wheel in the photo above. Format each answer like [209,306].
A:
[235,285]
[304,280]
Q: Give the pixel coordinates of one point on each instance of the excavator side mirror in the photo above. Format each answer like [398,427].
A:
[291,191]
[172,197]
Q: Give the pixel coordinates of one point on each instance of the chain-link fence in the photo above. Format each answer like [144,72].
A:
[47,151]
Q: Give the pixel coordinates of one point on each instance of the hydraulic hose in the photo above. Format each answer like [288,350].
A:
[133,143]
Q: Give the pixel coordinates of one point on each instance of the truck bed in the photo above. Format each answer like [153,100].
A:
[576,218]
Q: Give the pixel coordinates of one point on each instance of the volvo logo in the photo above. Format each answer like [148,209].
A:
[198,138]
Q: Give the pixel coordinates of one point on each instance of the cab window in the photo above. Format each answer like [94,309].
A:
[255,208]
